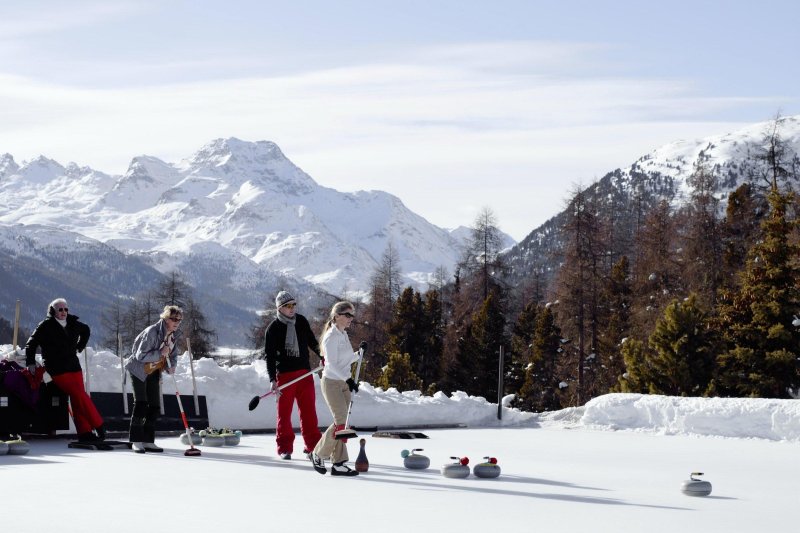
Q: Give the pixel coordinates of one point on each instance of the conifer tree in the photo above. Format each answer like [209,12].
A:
[522,333]
[175,291]
[658,272]
[617,296]
[399,374]
[763,345]
[703,236]
[405,326]
[459,370]
[637,368]
[482,256]
[6,331]
[478,273]
[580,281]
[682,359]
[777,161]
[539,391]
[488,331]
[433,331]
[743,215]
[384,289]
[195,327]
[112,321]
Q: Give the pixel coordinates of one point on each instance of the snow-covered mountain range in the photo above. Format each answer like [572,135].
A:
[234,200]
[241,221]
[734,158]
[237,219]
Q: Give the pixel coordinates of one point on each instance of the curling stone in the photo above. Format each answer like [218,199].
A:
[232,438]
[458,469]
[3,448]
[196,439]
[18,447]
[414,461]
[212,438]
[696,487]
[487,469]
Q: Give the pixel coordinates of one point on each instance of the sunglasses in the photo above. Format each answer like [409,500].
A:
[176,320]
[289,306]
[62,309]
[348,315]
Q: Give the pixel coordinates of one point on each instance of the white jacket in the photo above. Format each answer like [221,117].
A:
[338,354]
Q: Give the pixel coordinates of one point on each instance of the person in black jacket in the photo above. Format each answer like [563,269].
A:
[286,344]
[61,336]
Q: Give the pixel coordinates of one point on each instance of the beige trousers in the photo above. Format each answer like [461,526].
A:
[337,396]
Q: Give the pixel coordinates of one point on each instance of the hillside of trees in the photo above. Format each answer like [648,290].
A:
[646,297]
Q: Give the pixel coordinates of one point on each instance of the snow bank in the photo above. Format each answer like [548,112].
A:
[228,390]
[728,417]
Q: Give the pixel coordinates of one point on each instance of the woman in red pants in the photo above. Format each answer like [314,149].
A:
[61,336]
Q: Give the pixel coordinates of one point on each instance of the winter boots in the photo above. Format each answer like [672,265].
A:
[341,469]
[318,463]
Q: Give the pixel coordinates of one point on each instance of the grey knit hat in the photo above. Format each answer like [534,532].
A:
[282,299]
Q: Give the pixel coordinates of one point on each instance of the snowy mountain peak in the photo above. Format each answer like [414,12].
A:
[8,166]
[237,161]
[220,151]
[41,170]
[232,154]
[147,167]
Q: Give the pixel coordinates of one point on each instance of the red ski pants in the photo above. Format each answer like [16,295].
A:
[84,413]
[303,393]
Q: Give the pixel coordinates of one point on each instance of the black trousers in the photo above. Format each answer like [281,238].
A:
[146,408]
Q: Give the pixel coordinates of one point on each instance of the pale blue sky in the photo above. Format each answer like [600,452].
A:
[462,104]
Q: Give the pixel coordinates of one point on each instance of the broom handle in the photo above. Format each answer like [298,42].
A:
[358,374]
[180,405]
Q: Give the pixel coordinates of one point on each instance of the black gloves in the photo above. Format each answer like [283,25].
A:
[352,385]
[363,346]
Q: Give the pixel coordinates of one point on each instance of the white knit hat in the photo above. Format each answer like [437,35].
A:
[283,298]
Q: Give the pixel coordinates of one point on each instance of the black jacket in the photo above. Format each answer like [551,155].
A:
[60,345]
[275,350]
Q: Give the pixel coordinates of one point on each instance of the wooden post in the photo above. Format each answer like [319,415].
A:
[194,383]
[86,383]
[16,328]
[500,385]
[122,373]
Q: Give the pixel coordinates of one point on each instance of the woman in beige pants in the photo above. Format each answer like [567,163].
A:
[337,386]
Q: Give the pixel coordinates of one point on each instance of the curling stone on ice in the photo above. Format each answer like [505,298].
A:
[18,446]
[458,469]
[196,439]
[232,438]
[696,487]
[487,469]
[211,437]
[415,461]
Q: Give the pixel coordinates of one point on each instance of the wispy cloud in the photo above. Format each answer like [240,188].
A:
[26,19]
[477,122]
